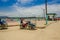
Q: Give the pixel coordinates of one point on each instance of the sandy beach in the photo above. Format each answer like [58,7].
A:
[50,32]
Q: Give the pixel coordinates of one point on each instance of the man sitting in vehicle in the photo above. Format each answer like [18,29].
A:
[31,25]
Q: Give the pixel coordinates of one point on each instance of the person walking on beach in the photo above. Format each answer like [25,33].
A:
[21,20]
[23,23]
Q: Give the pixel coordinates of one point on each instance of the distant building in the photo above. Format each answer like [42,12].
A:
[51,16]
[3,17]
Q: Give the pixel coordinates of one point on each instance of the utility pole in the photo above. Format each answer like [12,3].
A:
[46,12]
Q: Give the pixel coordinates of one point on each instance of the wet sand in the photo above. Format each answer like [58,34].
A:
[50,32]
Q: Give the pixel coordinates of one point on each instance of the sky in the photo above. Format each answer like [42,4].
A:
[28,8]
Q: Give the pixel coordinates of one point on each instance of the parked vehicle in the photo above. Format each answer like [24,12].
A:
[3,24]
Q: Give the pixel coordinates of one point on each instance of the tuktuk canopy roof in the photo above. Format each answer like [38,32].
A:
[51,14]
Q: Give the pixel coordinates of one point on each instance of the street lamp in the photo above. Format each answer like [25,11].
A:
[43,12]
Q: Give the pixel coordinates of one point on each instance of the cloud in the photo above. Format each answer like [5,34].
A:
[54,8]
[29,3]
[38,10]
[31,11]
[24,1]
[23,12]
